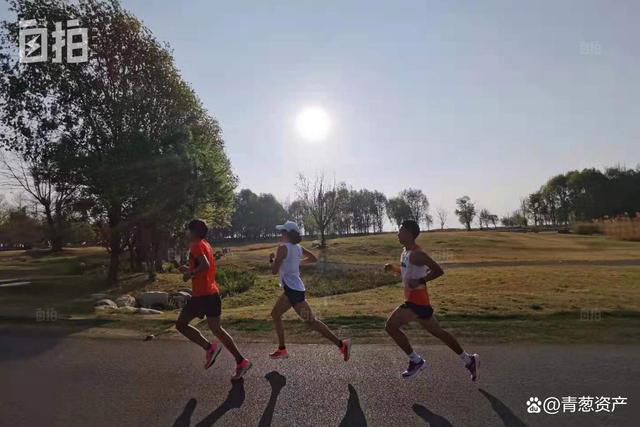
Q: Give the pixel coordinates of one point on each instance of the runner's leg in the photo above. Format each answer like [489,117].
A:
[193,334]
[304,311]
[224,337]
[281,307]
[400,317]
[433,327]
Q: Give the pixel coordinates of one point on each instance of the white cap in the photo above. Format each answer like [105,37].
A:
[288,226]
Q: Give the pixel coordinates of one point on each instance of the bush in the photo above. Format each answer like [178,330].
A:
[587,228]
[234,281]
[623,228]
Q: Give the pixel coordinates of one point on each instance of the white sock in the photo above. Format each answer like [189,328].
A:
[466,357]
[415,357]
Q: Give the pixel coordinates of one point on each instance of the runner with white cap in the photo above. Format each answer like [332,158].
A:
[286,262]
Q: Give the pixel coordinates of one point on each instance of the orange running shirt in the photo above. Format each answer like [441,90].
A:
[204,283]
[418,296]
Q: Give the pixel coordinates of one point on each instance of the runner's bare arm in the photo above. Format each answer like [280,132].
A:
[421,258]
[202,264]
[392,267]
[281,254]
[309,257]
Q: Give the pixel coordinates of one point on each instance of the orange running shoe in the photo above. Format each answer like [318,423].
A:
[279,354]
[346,349]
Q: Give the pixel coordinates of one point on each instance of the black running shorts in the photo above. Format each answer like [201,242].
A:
[295,297]
[422,311]
[207,305]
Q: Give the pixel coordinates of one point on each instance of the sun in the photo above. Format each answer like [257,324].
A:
[313,123]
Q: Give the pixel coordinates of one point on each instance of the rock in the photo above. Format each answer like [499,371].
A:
[148,311]
[105,302]
[104,309]
[179,299]
[127,309]
[149,337]
[154,299]
[126,301]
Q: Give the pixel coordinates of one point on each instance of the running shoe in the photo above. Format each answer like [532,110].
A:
[474,366]
[241,369]
[279,354]
[345,349]
[414,368]
[212,354]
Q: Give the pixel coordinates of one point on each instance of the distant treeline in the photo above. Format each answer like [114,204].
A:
[351,212]
[584,195]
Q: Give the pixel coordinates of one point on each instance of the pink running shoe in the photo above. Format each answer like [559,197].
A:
[212,354]
[279,354]
[346,349]
[241,369]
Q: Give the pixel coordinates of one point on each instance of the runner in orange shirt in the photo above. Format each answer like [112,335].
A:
[205,300]
[416,269]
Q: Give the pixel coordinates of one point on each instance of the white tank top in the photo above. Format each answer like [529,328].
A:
[290,268]
[411,271]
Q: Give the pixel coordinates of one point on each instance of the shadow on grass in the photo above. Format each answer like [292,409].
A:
[566,327]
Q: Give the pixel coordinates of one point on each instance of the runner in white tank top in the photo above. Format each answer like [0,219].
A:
[416,269]
[290,268]
[286,263]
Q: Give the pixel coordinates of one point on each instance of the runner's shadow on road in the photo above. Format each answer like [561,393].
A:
[277,382]
[434,420]
[234,399]
[504,412]
[184,420]
[355,415]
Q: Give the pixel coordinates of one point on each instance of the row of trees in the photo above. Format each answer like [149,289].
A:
[583,196]
[324,207]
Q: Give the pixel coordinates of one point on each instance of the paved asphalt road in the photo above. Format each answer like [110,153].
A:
[121,382]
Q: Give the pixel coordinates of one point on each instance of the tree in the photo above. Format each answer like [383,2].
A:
[466,211]
[299,212]
[20,229]
[137,139]
[442,217]
[418,204]
[42,180]
[321,198]
[398,210]
[256,216]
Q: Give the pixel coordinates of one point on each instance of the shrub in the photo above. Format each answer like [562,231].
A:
[234,281]
[622,228]
[587,228]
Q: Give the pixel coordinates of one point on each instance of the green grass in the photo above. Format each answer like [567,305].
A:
[350,292]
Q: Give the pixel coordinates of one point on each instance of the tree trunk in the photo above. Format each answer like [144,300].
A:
[114,244]
[323,240]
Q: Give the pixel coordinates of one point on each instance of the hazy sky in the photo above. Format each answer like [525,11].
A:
[483,98]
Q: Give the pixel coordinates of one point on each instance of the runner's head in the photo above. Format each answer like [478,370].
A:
[197,229]
[409,232]
[290,233]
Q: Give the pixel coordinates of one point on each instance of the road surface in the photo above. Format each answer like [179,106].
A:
[61,381]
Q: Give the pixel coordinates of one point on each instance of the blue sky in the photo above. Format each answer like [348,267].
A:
[486,99]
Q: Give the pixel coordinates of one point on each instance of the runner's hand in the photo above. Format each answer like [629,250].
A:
[272,257]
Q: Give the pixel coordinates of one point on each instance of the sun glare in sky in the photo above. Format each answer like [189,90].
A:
[313,123]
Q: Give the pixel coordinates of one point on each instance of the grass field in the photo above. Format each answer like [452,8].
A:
[498,286]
